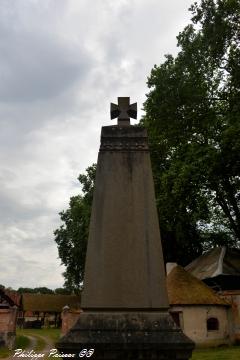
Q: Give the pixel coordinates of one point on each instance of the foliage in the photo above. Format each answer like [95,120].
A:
[38,290]
[62,291]
[43,290]
[72,235]
[192,117]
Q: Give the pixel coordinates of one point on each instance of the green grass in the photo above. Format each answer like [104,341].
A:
[4,352]
[22,342]
[42,336]
[225,353]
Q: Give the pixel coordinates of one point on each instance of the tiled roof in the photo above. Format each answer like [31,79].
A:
[10,296]
[14,296]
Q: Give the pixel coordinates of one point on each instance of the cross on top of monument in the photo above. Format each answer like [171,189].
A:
[123,111]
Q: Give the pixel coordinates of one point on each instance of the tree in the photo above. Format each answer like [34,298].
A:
[62,291]
[38,290]
[192,117]
[71,237]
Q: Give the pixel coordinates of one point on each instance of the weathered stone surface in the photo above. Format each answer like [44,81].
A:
[129,335]
[124,266]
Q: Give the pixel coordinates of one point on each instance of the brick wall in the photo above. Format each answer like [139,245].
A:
[8,318]
[69,318]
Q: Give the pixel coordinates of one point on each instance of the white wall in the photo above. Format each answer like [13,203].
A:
[194,324]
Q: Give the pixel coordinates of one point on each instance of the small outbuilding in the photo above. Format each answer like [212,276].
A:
[220,269]
[45,309]
[8,316]
[203,315]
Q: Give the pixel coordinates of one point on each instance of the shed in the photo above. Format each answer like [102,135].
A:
[46,308]
[8,315]
[220,269]
[203,315]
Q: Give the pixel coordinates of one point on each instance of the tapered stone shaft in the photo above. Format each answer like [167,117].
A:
[124,266]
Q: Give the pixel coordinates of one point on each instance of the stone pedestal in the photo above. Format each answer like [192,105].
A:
[130,335]
[125,299]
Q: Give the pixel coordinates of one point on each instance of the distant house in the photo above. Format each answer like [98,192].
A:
[44,309]
[8,315]
[14,298]
[220,269]
[203,315]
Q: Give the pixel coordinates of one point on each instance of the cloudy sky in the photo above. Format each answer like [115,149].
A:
[61,64]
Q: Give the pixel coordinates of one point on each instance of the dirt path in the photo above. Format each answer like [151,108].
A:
[32,346]
[48,345]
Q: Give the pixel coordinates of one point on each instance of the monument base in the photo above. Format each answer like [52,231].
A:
[145,335]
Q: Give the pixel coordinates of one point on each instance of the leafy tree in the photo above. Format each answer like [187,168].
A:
[192,117]
[62,291]
[72,235]
[38,290]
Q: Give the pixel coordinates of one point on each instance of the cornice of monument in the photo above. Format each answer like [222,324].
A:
[124,138]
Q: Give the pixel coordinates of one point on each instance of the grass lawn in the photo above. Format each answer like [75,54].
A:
[4,352]
[50,333]
[225,353]
[22,342]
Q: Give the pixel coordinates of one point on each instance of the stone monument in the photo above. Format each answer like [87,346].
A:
[124,301]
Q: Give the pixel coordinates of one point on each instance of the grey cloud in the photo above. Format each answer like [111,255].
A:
[33,67]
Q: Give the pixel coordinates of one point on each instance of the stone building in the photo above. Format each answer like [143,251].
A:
[203,315]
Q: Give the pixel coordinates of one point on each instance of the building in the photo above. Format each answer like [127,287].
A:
[37,310]
[8,316]
[219,268]
[203,315]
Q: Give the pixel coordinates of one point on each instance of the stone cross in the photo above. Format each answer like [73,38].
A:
[123,111]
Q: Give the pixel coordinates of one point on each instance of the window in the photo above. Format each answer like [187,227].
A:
[176,317]
[212,324]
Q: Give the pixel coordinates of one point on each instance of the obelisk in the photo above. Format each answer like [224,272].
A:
[124,301]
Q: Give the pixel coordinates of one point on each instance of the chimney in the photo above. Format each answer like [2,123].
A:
[170,266]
